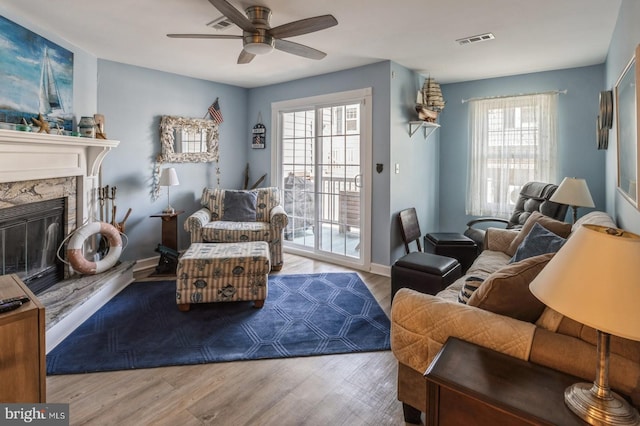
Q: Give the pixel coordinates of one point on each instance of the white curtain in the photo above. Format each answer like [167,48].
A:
[512,142]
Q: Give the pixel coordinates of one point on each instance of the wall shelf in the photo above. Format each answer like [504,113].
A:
[429,127]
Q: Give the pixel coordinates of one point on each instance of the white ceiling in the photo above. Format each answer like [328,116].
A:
[531,36]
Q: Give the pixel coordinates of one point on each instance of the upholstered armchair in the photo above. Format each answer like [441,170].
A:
[534,196]
[230,216]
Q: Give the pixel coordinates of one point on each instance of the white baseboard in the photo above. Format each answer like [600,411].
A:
[146,264]
[378,269]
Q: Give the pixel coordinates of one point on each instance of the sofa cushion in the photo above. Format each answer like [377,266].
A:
[470,285]
[506,291]
[267,200]
[562,229]
[239,206]
[539,241]
[220,231]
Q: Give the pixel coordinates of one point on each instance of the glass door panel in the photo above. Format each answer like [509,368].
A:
[322,178]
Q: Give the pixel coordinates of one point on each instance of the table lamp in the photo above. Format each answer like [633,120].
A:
[169,178]
[573,192]
[595,279]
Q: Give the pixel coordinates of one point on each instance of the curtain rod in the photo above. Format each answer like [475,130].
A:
[559,92]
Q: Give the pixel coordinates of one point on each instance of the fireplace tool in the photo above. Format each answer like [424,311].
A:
[107,198]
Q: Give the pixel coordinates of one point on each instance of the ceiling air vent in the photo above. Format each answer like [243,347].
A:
[220,24]
[475,39]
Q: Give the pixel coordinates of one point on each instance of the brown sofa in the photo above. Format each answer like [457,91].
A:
[507,321]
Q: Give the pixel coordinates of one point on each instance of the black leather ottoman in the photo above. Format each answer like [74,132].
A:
[452,244]
[424,272]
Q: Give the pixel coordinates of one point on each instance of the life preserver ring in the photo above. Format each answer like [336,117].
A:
[75,248]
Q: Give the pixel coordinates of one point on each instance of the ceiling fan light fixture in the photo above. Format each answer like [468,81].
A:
[258,44]
[258,48]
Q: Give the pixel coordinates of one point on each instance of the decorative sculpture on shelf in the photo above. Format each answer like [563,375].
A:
[429,102]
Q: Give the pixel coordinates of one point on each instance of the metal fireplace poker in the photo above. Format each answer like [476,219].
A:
[107,194]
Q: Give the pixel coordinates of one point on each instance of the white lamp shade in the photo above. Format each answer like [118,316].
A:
[595,279]
[573,192]
[169,177]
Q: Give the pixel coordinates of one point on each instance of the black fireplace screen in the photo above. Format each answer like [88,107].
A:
[29,238]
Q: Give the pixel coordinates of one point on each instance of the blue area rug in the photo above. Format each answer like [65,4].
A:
[303,315]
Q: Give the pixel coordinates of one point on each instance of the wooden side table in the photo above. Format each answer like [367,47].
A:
[468,384]
[166,265]
[169,228]
[22,346]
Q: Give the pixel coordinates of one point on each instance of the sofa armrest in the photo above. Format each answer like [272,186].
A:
[194,223]
[278,217]
[421,324]
[499,239]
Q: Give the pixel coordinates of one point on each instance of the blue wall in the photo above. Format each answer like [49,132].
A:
[417,183]
[577,153]
[133,99]
[624,41]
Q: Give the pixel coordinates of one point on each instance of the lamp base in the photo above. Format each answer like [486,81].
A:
[169,210]
[583,400]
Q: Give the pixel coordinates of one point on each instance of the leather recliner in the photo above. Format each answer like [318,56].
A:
[534,196]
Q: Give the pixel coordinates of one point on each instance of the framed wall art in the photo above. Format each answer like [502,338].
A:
[627,112]
[38,77]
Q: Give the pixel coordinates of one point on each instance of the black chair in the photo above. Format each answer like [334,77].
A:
[534,196]
[409,228]
[424,272]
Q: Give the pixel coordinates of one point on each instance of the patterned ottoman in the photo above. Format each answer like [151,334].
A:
[223,272]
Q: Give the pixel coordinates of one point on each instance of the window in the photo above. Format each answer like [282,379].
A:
[513,141]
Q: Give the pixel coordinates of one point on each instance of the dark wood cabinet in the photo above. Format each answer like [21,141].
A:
[22,346]
[472,385]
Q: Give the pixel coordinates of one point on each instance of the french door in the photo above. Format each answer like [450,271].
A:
[322,145]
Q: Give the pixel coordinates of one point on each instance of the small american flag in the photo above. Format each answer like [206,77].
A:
[215,113]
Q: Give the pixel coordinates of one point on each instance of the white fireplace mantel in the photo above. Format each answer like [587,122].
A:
[31,156]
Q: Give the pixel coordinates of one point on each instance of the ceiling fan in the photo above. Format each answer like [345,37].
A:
[258,38]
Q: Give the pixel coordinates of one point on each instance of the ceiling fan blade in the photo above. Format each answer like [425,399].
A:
[303,26]
[233,14]
[298,49]
[245,57]
[203,36]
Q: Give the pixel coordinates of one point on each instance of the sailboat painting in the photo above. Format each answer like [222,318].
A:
[36,77]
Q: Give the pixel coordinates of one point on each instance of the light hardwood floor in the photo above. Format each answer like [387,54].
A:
[350,389]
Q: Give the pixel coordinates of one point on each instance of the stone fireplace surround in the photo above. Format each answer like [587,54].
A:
[38,167]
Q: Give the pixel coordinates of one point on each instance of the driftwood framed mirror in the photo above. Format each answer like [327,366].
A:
[188,140]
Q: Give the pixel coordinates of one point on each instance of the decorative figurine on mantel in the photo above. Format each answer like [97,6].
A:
[99,120]
[42,124]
